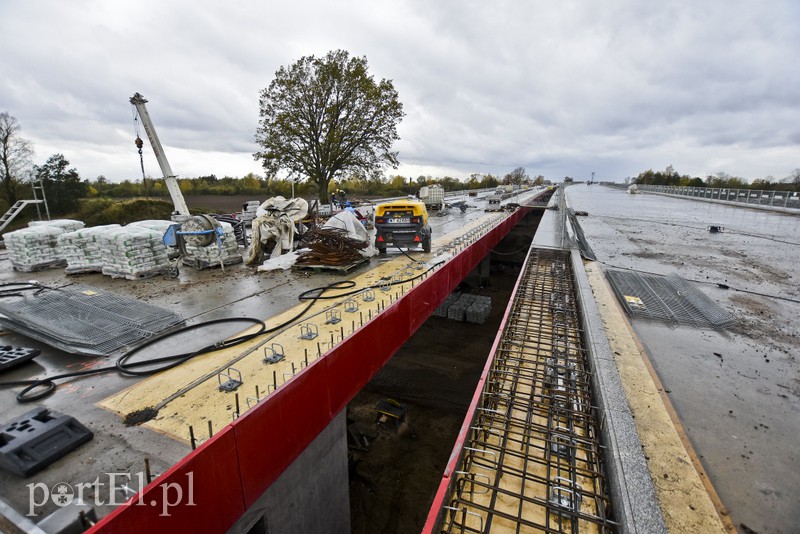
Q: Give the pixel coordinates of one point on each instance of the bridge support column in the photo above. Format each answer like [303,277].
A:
[312,495]
[484,267]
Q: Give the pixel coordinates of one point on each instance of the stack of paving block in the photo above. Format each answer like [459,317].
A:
[457,310]
[81,249]
[35,248]
[69,225]
[215,255]
[479,310]
[441,310]
[133,252]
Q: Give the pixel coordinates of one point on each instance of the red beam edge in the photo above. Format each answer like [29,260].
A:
[239,488]
[201,493]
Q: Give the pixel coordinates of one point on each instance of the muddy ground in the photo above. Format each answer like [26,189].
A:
[434,375]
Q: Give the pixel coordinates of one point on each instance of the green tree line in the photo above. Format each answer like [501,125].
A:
[720,180]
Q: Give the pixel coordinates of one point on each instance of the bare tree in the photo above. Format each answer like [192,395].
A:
[15,158]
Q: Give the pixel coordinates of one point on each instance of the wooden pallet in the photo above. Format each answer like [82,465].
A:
[330,268]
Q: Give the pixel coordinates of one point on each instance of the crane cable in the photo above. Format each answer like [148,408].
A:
[139,144]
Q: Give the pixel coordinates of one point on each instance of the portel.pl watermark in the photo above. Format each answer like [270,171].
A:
[121,486]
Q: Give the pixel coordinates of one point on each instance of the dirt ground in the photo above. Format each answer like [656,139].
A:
[434,375]
[225,203]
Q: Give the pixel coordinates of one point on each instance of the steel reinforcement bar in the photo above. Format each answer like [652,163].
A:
[529,457]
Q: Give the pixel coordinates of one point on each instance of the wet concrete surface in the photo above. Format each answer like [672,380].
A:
[736,391]
[240,291]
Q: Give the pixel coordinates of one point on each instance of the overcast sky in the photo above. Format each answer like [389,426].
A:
[561,88]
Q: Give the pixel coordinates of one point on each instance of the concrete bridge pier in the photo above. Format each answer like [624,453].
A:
[312,495]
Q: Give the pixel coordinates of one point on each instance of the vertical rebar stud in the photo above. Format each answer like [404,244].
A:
[274,380]
[331,339]
[293,371]
[148,475]
[236,396]
[361,318]
[306,356]
[341,328]
[369,314]
[319,349]
[210,430]
[191,437]
[258,397]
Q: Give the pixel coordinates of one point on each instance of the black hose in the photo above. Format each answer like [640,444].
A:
[123,366]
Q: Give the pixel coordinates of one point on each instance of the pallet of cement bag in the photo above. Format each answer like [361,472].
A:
[458,309]
[479,311]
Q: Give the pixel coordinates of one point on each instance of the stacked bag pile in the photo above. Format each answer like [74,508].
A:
[35,248]
[210,256]
[69,225]
[82,249]
[133,252]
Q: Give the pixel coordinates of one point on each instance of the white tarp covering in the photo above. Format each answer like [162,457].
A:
[347,220]
[275,224]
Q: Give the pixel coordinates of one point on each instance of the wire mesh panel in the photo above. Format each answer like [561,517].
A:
[667,298]
[84,320]
[533,459]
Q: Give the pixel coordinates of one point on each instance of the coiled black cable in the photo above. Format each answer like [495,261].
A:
[128,368]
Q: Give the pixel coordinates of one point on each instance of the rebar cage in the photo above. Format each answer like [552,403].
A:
[533,460]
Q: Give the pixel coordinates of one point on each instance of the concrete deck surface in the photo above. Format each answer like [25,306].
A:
[737,391]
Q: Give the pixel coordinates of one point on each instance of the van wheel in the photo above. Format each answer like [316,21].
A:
[426,244]
[381,250]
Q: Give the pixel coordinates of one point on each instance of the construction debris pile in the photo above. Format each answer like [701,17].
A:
[330,247]
[274,228]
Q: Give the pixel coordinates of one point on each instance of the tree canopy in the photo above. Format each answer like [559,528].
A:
[323,117]
[62,186]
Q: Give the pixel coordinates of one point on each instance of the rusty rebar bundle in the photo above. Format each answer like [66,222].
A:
[330,246]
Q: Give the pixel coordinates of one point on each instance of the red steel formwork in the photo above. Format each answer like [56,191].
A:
[212,487]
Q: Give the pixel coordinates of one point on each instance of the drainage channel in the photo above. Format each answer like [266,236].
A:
[532,458]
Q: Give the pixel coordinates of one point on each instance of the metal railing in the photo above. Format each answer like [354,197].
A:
[781,199]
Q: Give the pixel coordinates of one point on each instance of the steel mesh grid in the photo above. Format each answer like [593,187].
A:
[86,320]
[532,460]
[667,298]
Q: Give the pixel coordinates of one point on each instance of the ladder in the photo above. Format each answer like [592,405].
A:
[19,205]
